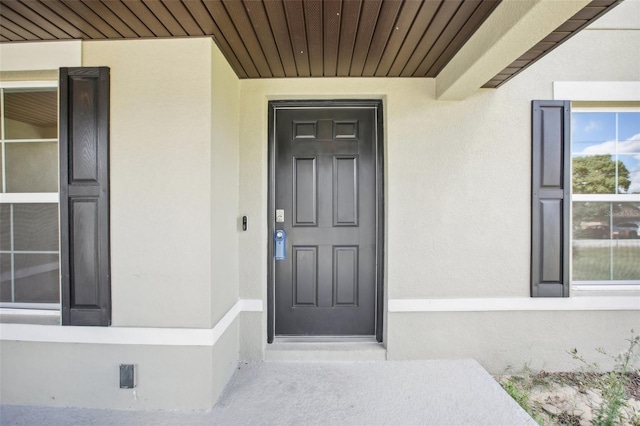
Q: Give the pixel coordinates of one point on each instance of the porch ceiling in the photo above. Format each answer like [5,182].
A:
[293,38]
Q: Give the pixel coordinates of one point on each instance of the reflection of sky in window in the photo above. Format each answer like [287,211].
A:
[593,126]
[595,133]
[628,125]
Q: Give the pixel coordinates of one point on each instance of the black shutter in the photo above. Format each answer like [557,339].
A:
[84,196]
[551,198]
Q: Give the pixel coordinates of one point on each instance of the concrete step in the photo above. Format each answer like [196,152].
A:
[329,350]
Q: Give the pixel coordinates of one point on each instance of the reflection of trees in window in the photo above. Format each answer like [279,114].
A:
[596,174]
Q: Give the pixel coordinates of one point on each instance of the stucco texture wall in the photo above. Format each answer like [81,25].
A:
[458,198]
[174,181]
[225,226]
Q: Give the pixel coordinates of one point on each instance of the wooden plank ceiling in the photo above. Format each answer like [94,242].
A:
[289,38]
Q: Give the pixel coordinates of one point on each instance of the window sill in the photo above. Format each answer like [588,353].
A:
[29,316]
[594,290]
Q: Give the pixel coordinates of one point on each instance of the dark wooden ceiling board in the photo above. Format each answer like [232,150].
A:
[332,19]
[518,63]
[543,46]
[228,32]
[348,30]
[384,27]
[315,36]
[182,15]
[295,20]
[128,17]
[492,84]
[418,29]
[148,19]
[17,29]
[27,13]
[53,17]
[235,10]
[571,25]
[557,36]
[165,17]
[290,38]
[10,35]
[7,13]
[552,41]
[201,16]
[442,17]
[364,36]
[510,70]
[589,13]
[276,15]
[402,27]
[90,16]
[74,19]
[100,9]
[464,23]
[208,26]
[482,12]
[227,52]
[260,22]
[603,3]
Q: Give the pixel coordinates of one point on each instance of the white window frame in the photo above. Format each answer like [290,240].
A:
[12,308]
[609,285]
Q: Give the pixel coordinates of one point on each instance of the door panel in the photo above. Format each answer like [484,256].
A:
[325,181]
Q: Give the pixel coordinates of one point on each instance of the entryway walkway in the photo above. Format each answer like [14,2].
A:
[441,392]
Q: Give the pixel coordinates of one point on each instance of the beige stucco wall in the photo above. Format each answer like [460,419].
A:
[458,198]
[512,341]
[224,220]
[86,375]
[160,179]
[174,240]
[189,158]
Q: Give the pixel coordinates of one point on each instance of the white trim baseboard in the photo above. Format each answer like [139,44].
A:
[129,335]
[587,303]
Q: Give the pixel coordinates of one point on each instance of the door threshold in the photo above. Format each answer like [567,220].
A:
[324,339]
[325,348]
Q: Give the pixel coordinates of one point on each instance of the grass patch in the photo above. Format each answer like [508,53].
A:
[586,396]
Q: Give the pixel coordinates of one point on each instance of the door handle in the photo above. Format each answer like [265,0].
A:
[280,241]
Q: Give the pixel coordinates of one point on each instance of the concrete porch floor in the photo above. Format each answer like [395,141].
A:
[438,392]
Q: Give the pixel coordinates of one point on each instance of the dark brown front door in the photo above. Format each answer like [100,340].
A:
[326,201]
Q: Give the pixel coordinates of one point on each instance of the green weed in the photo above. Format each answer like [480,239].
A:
[613,384]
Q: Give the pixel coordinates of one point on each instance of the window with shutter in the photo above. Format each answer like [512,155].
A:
[84,196]
[551,186]
[585,199]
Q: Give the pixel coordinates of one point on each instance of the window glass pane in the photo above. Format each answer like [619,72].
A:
[35,227]
[626,260]
[36,278]
[594,174]
[591,220]
[1,168]
[629,127]
[31,114]
[32,167]
[5,227]
[591,260]
[629,174]
[5,277]
[605,241]
[593,127]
